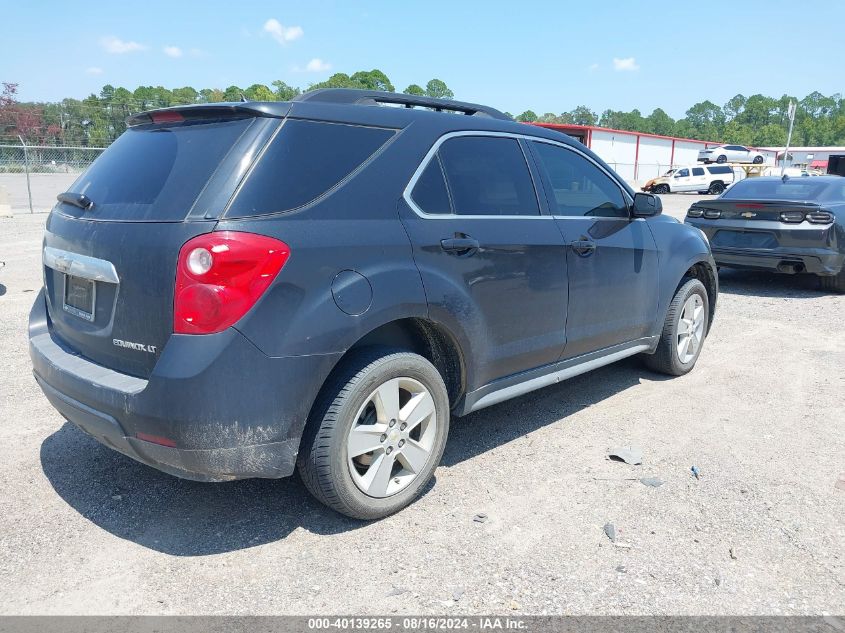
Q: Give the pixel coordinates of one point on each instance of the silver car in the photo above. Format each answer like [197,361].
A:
[730,154]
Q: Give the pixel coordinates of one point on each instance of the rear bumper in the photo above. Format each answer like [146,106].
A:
[229,410]
[817,262]
[773,246]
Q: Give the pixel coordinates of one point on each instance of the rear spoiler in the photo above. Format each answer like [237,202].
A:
[216,111]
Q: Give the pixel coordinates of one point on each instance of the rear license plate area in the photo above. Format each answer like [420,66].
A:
[78,298]
[744,239]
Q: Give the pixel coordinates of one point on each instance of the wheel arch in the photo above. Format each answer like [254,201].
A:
[707,275]
[421,336]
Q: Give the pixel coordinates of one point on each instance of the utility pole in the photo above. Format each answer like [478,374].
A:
[791,114]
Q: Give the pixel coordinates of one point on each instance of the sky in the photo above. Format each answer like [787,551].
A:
[543,56]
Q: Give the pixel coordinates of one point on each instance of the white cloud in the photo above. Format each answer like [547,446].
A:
[117,46]
[281,33]
[593,67]
[172,51]
[625,64]
[94,70]
[317,65]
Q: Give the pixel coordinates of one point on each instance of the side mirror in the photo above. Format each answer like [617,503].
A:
[647,205]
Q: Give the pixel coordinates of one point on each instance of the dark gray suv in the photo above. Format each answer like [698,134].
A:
[233,290]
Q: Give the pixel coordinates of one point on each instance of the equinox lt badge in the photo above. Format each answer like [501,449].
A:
[139,347]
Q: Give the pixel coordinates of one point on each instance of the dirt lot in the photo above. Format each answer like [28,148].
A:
[85,530]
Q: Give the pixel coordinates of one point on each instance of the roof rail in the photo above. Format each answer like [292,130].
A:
[375,97]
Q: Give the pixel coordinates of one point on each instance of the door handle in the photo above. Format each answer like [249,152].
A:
[460,244]
[584,248]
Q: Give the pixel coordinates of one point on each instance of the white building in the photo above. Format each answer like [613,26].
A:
[637,156]
[807,157]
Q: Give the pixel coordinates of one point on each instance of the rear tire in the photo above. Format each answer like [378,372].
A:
[722,159]
[358,408]
[682,329]
[833,283]
[716,188]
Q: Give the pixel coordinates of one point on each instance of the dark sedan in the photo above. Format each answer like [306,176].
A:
[787,225]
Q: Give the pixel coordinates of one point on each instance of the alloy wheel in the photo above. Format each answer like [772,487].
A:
[391,440]
[690,328]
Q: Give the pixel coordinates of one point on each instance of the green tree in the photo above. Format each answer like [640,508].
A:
[414,89]
[259,92]
[527,117]
[373,80]
[232,93]
[185,96]
[438,89]
[658,122]
[582,115]
[284,92]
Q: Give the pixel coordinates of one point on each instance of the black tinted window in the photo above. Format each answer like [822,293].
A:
[791,189]
[157,174]
[697,171]
[430,191]
[580,188]
[719,169]
[304,161]
[488,176]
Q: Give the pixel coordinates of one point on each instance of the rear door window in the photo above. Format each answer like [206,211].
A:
[697,171]
[430,193]
[488,175]
[156,174]
[305,160]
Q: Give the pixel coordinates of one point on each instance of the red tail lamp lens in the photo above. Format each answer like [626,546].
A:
[220,276]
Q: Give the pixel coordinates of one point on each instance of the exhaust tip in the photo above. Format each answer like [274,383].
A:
[791,268]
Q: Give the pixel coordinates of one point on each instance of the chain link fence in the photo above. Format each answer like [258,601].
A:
[32,175]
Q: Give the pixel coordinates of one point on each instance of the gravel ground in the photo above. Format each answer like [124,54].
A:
[84,530]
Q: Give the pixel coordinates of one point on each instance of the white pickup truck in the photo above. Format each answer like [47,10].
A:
[712,179]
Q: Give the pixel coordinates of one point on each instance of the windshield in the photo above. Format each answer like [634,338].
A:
[791,189]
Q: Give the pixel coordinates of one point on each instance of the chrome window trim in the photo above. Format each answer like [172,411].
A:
[80,265]
[430,154]
[406,194]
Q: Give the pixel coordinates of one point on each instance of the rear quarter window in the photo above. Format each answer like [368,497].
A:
[305,160]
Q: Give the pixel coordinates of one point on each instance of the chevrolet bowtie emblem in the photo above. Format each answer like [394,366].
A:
[749,214]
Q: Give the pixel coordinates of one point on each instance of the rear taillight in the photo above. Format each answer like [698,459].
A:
[820,217]
[220,276]
[792,217]
[694,212]
[712,214]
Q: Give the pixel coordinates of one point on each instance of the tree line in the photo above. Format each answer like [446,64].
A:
[99,118]
[756,120]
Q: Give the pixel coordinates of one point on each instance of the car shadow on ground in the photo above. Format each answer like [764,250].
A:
[186,518]
[765,284]
[489,428]
[177,516]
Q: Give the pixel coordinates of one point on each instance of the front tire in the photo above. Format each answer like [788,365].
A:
[376,434]
[661,189]
[833,283]
[758,160]
[683,332]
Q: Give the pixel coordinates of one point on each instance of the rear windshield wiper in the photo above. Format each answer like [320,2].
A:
[76,199]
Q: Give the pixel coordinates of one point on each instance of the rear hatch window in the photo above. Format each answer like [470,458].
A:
[155,173]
